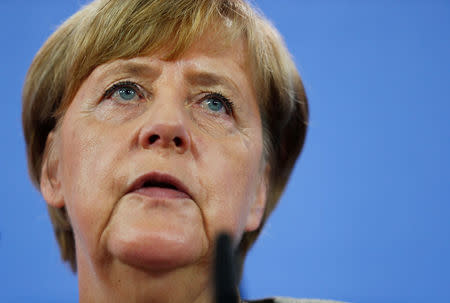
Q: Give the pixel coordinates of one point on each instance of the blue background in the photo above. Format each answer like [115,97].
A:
[366,215]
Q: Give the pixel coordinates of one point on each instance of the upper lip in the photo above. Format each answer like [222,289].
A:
[156,177]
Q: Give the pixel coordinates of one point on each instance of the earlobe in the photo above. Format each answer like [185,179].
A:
[50,182]
[259,205]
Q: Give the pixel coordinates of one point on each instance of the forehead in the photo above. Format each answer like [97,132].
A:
[219,44]
[210,60]
[209,64]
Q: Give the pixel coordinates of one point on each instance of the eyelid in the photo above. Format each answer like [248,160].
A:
[227,103]
[121,84]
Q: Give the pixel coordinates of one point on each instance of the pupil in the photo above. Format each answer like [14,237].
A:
[126,93]
[215,105]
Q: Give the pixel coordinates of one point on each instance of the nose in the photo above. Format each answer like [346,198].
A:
[165,134]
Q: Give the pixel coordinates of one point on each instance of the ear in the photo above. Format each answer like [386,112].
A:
[256,213]
[50,179]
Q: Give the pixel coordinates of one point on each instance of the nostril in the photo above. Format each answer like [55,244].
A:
[164,135]
[178,141]
[153,139]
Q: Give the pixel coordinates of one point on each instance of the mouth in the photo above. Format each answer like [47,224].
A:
[157,185]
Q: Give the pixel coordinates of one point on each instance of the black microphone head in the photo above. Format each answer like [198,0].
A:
[224,273]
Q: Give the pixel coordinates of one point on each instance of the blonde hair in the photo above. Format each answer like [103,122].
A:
[107,30]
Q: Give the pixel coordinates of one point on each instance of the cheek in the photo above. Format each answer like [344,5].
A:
[232,175]
[88,164]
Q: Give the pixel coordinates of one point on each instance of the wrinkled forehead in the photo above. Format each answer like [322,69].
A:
[218,38]
[222,37]
[208,51]
[213,45]
[207,63]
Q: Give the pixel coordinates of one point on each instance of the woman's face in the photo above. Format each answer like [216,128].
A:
[153,158]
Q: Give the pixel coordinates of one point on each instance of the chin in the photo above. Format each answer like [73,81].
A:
[156,256]
[156,236]
[157,250]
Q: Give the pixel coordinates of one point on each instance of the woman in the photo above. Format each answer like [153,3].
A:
[153,126]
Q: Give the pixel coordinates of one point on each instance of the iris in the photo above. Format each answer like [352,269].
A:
[127,93]
[214,105]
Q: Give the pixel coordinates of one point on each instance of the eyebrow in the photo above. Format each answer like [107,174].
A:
[135,69]
[193,77]
[208,79]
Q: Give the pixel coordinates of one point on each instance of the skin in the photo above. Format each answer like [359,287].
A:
[142,248]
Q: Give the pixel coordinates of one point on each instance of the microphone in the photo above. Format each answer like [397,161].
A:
[224,273]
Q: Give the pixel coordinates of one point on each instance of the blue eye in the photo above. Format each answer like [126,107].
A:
[214,105]
[217,103]
[123,92]
[127,93]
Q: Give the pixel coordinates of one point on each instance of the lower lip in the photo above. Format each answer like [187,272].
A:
[161,192]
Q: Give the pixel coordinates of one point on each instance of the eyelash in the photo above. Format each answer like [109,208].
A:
[228,104]
[124,84]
